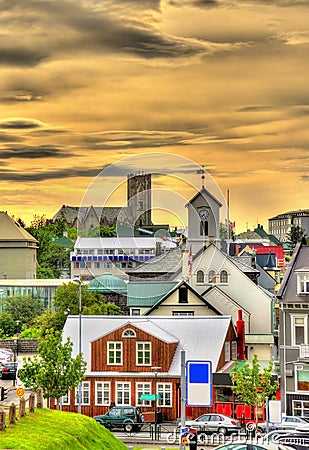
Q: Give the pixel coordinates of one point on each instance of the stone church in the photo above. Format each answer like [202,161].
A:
[136,212]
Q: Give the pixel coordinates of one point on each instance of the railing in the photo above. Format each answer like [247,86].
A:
[304,351]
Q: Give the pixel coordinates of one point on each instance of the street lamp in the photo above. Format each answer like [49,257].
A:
[156,370]
[79,281]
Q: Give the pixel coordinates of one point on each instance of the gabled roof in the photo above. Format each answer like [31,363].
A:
[288,288]
[204,193]
[175,288]
[202,337]
[11,231]
[148,293]
[225,294]
[167,262]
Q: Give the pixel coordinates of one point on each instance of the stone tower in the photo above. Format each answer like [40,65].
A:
[139,198]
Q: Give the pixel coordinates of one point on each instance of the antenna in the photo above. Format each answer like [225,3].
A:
[202,173]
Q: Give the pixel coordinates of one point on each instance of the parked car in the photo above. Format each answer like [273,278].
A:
[6,355]
[128,417]
[287,423]
[214,423]
[8,370]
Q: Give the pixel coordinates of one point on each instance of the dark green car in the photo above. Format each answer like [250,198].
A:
[127,417]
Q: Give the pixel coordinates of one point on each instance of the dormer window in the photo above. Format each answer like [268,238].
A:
[128,333]
[303,284]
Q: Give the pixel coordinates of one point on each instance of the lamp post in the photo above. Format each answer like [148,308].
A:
[78,280]
[156,370]
[1,297]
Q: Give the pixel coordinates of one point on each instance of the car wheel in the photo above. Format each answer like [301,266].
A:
[128,427]
[222,430]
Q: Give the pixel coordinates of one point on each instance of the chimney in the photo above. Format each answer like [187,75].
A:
[240,328]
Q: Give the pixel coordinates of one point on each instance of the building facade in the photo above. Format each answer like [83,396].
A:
[281,225]
[293,297]
[18,250]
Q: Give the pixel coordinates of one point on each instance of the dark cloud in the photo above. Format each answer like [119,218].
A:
[304,178]
[20,124]
[48,175]
[4,137]
[21,96]
[34,152]
[256,108]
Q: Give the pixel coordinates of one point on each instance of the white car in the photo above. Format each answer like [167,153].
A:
[5,356]
[214,423]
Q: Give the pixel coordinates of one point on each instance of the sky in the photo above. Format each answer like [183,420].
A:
[86,85]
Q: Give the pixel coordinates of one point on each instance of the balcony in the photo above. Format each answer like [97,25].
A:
[304,351]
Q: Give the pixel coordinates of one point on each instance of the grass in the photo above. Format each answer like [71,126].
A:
[47,429]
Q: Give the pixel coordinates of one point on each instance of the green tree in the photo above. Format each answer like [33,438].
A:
[7,325]
[53,369]
[23,308]
[252,385]
[295,235]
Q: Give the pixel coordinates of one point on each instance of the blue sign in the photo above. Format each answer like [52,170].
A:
[198,383]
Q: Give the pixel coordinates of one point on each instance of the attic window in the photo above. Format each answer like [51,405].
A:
[183,295]
[128,333]
[303,284]
[223,276]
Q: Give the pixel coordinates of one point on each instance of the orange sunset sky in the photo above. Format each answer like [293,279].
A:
[88,84]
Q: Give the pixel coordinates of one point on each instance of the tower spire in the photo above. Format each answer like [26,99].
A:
[202,173]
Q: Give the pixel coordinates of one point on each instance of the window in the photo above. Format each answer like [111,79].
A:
[183,295]
[65,399]
[114,353]
[200,276]
[123,393]
[143,353]
[103,265]
[183,313]
[227,351]
[102,393]
[303,284]
[212,276]
[129,333]
[165,391]
[136,312]
[299,329]
[223,276]
[234,350]
[85,393]
[143,388]
[203,228]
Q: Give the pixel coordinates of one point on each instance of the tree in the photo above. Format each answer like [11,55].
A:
[54,369]
[252,385]
[7,325]
[295,235]
[23,308]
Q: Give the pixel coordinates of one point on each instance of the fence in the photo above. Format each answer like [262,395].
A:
[12,414]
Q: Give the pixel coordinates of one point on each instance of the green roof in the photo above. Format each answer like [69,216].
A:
[107,283]
[147,294]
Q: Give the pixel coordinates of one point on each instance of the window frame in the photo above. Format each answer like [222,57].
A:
[142,388]
[294,326]
[198,273]
[165,389]
[144,352]
[106,388]
[114,352]
[85,391]
[125,389]
[303,283]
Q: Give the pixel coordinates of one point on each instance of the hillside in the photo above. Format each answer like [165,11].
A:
[49,429]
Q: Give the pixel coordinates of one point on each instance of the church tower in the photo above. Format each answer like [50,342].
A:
[203,220]
[139,198]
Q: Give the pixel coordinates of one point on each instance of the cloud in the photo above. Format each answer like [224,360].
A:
[34,152]
[20,124]
[21,176]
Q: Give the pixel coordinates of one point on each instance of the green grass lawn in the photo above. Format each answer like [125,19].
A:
[47,429]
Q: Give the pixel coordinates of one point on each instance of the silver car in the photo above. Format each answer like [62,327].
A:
[214,423]
[287,423]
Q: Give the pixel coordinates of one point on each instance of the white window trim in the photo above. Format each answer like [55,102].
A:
[293,317]
[118,383]
[103,390]
[108,352]
[161,403]
[305,275]
[85,388]
[144,391]
[128,333]
[204,276]
[68,397]
[150,353]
